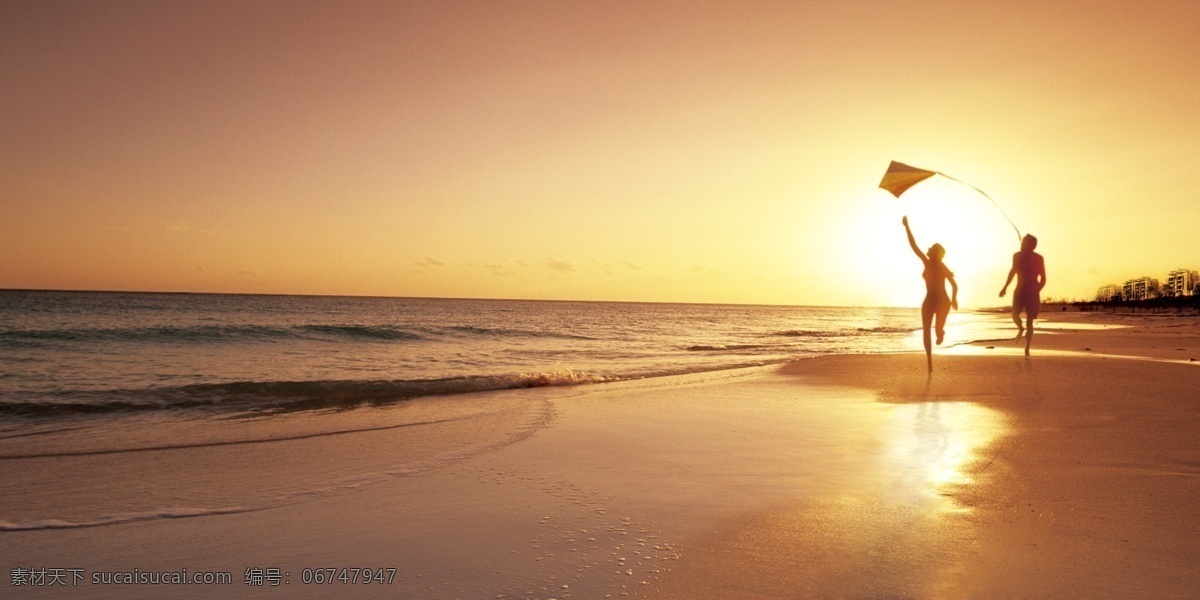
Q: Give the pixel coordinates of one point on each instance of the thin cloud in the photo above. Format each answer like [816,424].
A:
[560,264]
[161,226]
[429,261]
[503,270]
[632,266]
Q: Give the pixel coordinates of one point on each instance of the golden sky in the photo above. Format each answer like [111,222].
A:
[659,151]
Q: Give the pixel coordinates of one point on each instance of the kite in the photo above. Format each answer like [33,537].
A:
[899,177]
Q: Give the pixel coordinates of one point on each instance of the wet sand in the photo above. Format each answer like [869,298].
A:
[1089,491]
[847,477]
[1158,336]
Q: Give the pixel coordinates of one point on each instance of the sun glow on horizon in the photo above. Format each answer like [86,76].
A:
[591,151]
[978,241]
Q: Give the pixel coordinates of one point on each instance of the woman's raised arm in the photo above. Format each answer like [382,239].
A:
[912,242]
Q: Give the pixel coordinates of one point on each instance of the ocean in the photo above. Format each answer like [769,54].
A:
[92,353]
[163,381]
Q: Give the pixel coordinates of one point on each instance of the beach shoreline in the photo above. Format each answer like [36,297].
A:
[839,476]
[1167,337]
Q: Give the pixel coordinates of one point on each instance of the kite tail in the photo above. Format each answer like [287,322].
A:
[1002,213]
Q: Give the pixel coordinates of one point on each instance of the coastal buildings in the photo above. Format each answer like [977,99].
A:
[1108,293]
[1142,288]
[1180,282]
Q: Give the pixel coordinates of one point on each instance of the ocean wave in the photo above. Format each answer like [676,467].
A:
[803,333]
[268,397]
[501,332]
[241,333]
[886,329]
[821,333]
[206,333]
[732,347]
[362,331]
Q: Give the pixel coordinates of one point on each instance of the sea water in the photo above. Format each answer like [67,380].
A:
[160,383]
[96,353]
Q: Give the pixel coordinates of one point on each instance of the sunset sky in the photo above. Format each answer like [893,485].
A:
[657,151]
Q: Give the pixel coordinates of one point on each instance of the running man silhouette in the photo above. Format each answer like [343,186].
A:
[937,303]
[1030,270]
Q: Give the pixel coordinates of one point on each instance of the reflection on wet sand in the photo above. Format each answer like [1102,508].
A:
[934,449]
[901,525]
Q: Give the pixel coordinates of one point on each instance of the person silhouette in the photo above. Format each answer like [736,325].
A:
[937,303]
[1030,270]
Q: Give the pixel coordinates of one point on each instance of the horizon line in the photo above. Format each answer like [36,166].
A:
[314,295]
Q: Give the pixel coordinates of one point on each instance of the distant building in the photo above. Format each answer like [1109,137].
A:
[1142,288]
[1181,282]
[1108,292]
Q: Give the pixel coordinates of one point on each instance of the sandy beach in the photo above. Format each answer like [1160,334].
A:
[1073,473]
[599,300]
